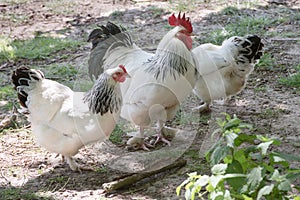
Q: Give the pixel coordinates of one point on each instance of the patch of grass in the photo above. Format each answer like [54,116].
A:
[182,5]
[116,135]
[7,52]
[17,193]
[15,1]
[194,154]
[230,10]
[260,89]
[116,13]
[293,80]
[102,170]
[266,62]
[14,18]
[270,113]
[241,26]
[156,11]
[7,93]
[61,72]
[36,48]
[62,7]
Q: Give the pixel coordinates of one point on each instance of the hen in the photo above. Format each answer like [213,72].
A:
[223,70]
[60,120]
[159,81]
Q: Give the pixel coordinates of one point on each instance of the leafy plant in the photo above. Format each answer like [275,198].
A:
[244,166]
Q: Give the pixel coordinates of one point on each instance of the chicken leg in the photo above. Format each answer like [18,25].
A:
[160,135]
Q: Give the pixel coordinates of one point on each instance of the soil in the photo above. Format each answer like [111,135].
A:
[273,109]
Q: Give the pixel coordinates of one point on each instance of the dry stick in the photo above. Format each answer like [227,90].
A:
[129,180]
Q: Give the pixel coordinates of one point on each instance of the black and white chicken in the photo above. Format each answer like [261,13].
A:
[223,70]
[160,81]
[60,119]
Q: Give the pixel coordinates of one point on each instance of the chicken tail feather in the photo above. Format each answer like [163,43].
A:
[104,39]
[22,78]
[250,49]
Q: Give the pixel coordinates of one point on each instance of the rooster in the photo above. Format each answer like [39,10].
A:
[223,70]
[159,82]
[60,119]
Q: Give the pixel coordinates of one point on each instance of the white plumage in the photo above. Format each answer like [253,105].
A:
[223,70]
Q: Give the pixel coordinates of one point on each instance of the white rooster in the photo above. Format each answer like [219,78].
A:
[60,119]
[223,70]
[159,81]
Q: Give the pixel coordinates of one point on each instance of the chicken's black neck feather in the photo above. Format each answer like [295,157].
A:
[104,96]
[164,64]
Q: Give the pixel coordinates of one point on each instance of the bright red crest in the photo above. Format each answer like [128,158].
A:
[123,68]
[181,21]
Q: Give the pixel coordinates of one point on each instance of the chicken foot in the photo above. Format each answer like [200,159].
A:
[137,142]
[160,135]
[71,162]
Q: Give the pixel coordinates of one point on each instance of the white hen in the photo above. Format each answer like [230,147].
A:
[61,121]
[223,70]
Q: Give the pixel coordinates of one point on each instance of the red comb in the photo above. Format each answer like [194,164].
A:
[123,68]
[185,22]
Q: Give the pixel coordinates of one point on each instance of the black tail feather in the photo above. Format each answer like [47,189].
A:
[22,77]
[256,48]
[250,49]
[103,38]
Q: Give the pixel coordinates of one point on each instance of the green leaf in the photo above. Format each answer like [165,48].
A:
[215,179]
[219,169]
[266,190]
[230,137]
[279,160]
[218,154]
[246,197]
[275,176]
[244,138]
[208,154]
[202,181]
[232,123]
[285,185]
[264,147]
[209,188]
[293,175]
[267,167]
[288,157]
[241,158]
[254,178]
[235,182]
[185,182]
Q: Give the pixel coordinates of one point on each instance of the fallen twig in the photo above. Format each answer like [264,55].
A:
[131,179]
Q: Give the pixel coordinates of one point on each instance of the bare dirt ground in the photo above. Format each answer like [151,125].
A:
[30,172]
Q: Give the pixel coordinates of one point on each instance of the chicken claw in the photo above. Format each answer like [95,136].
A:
[165,135]
[136,143]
